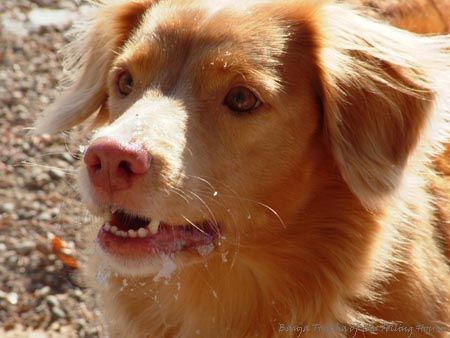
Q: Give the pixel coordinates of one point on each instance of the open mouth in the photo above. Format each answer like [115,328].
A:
[133,236]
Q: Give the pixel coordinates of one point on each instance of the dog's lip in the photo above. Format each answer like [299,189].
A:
[167,239]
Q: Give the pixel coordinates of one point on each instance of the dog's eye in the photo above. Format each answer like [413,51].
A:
[125,83]
[241,100]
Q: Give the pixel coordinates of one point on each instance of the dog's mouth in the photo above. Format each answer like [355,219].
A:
[124,234]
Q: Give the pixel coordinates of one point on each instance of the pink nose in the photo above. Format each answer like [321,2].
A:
[114,165]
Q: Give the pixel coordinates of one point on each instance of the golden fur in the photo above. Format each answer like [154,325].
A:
[327,197]
[419,16]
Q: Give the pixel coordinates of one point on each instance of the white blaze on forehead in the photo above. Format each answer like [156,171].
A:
[166,12]
[214,6]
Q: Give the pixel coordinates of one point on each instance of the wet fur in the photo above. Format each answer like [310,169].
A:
[348,215]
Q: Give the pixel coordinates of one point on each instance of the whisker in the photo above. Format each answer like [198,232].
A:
[181,193]
[273,211]
[206,206]
[203,180]
[236,235]
[75,155]
[215,194]
[50,154]
[31,164]
[193,224]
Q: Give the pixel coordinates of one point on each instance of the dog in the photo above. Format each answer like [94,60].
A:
[262,169]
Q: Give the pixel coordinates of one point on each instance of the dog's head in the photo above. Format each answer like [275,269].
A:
[221,122]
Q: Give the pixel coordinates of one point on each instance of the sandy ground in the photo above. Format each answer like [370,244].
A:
[41,294]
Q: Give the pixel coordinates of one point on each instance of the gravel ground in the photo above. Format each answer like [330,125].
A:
[41,219]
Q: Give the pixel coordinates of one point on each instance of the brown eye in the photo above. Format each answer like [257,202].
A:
[125,83]
[241,100]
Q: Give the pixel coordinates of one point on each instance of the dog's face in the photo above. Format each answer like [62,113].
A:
[219,123]
[217,119]
[228,116]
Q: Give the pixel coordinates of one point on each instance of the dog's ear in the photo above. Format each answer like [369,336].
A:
[382,88]
[87,62]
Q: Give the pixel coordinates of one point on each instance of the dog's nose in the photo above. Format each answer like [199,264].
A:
[114,165]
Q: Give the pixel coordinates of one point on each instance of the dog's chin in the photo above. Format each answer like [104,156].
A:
[154,265]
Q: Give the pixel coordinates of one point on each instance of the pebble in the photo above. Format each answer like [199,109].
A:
[42,292]
[45,216]
[56,174]
[52,300]
[25,247]
[12,298]
[7,207]
[14,27]
[58,313]
[35,198]
[46,17]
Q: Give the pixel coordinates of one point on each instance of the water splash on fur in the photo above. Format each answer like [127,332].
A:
[168,267]
[205,250]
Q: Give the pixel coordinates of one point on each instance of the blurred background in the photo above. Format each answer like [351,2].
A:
[42,222]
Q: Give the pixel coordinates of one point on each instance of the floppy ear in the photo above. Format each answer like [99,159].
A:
[382,89]
[87,62]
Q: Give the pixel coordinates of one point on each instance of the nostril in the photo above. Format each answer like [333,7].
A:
[97,165]
[125,166]
[93,162]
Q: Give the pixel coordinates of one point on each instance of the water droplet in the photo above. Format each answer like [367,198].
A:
[224,257]
[205,250]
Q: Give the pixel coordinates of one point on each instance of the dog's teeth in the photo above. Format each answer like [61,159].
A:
[121,233]
[114,229]
[142,232]
[107,226]
[113,209]
[153,226]
[132,233]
